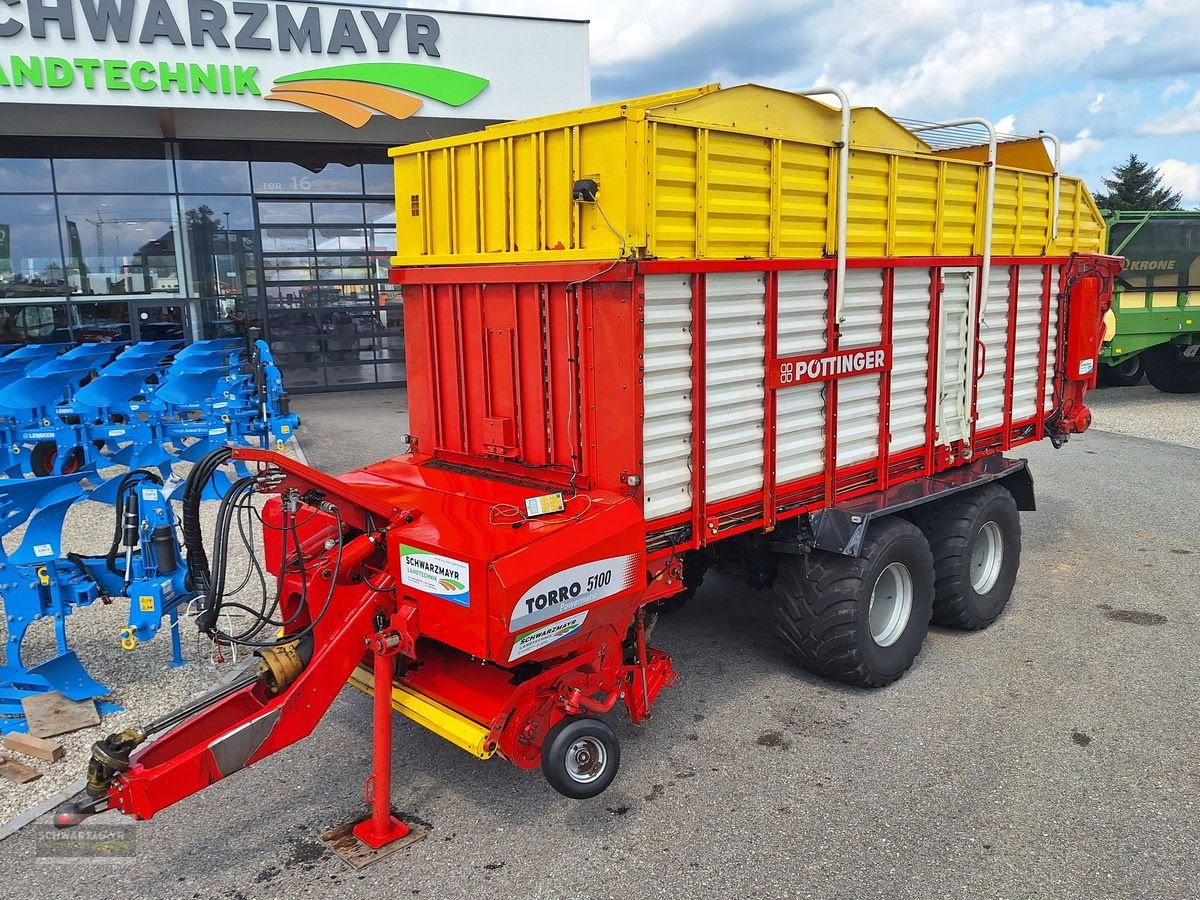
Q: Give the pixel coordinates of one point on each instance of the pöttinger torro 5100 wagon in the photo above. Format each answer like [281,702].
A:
[738,326]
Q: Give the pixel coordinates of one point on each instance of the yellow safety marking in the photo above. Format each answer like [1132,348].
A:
[441,720]
[146,603]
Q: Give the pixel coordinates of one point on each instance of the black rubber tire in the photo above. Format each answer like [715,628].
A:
[44,455]
[558,745]
[824,604]
[953,527]
[1126,373]
[1170,372]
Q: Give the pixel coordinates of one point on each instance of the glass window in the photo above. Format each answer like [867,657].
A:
[277,239]
[222,247]
[104,176]
[216,167]
[102,321]
[311,178]
[288,268]
[120,244]
[332,239]
[343,268]
[285,212]
[217,176]
[379,179]
[381,214]
[383,240]
[25,175]
[34,323]
[31,263]
[337,213]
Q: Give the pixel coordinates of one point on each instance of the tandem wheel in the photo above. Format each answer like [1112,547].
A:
[580,757]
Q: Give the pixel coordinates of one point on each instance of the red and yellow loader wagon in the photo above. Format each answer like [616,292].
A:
[731,326]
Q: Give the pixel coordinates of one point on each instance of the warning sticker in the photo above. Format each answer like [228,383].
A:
[435,574]
[574,587]
[524,644]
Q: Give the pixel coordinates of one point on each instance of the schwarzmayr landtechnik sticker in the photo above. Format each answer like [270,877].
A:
[435,574]
[524,644]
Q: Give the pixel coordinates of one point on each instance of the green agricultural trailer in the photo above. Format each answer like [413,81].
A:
[1153,328]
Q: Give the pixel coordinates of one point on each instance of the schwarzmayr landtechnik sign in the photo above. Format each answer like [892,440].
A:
[343,60]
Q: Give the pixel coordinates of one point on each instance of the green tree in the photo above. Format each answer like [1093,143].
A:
[1136,185]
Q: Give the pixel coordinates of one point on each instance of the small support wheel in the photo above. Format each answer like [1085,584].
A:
[44,455]
[580,757]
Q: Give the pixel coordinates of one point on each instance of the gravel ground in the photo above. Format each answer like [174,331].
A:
[1049,756]
[141,680]
[1143,411]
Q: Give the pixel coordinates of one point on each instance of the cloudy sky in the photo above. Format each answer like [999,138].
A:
[1110,77]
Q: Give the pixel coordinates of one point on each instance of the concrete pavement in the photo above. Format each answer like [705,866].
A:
[1051,756]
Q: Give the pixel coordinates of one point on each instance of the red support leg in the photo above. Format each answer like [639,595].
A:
[382,828]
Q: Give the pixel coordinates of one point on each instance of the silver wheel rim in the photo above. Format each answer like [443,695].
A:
[586,759]
[987,557]
[891,604]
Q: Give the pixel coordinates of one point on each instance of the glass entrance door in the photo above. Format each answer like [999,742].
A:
[331,319]
[154,320]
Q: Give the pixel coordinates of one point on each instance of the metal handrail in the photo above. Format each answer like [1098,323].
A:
[1047,136]
[839,295]
[984,276]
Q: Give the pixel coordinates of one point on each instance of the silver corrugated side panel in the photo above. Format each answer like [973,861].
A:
[800,410]
[667,427]
[858,397]
[993,333]
[1028,342]
[953,387]
[1052,337]
[735,367]
[910,358]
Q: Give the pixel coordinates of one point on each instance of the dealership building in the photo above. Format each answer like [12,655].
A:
[194,168]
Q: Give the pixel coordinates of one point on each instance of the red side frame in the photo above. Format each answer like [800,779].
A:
[602,312]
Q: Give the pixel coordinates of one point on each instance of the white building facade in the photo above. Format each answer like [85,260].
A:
[195,168]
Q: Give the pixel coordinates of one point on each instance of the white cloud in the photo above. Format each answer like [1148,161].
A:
[1178,86]
[1097,105]
[1007,125]
[1084,143]
[1183,177]
[1176,122]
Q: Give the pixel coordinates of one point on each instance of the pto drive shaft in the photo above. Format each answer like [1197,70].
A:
[276,668]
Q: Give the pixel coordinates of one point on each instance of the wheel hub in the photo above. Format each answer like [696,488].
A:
[586,759]
[987,556]
[891,604]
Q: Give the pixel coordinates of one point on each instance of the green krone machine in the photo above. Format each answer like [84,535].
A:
[1154,326]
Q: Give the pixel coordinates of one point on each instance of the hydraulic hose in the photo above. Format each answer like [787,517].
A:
[129,480]
[193,535]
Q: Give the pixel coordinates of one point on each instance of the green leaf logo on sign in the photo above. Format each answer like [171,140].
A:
[351,93]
